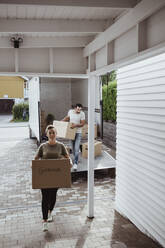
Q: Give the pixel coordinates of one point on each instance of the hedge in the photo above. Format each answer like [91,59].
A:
[109,93]
[18,111]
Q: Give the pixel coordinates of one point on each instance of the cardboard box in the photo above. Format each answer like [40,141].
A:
[85,131]
[97,149]
[51,173]
[64,130]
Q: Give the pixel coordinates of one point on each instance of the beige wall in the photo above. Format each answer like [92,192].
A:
[13,87]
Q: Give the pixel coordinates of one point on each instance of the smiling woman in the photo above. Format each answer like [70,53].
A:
[52,149]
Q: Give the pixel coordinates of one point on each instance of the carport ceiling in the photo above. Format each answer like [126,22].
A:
[40,20]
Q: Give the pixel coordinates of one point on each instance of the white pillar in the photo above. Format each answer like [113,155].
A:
[51,60]
[91,120]
[16,59]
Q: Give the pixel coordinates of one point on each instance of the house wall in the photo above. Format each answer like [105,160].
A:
[140,171]
[13,87]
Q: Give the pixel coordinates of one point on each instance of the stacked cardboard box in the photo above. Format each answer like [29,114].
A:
[64,130]
[97,149]
[85,131]
[51,173]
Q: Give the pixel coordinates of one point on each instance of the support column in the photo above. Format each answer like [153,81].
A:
[16,59]
[91,121]
[51,62]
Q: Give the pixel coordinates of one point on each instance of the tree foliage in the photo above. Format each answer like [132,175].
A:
[18,110]
[109,77]
[109,94]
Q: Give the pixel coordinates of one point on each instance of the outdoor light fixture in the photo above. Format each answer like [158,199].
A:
[16,40]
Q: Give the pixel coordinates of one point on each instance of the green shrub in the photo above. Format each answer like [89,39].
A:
[18,110]
[109,93]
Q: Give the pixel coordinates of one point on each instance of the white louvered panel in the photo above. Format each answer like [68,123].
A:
[144,218]
[138,84]
[146,124]
[157,66]
[157,164]
[146,177]
[142,149]
[153,96]
[151,194]
[144,90]
[142,117]
[140,165]
[141,64]
[143,76]
[133,140]
[147,165]
[143,200]
[142,204]
[143,130]
[149,104]
[137,110]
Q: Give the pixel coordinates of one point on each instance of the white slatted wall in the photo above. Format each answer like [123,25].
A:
[140,167]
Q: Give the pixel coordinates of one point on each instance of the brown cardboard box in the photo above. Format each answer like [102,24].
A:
[97,147]
[85,131]
[51,173]
[64,130]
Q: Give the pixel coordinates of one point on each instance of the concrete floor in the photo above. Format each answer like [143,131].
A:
[20,206]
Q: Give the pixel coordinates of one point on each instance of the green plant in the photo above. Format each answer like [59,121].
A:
[18,110]
[109,77]
[109,94]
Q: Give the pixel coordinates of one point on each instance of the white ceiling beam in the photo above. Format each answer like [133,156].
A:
[43,42]
[79,3]
[37,74]
[141,11]
[46,26]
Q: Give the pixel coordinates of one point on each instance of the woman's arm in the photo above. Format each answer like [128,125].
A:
[36,157]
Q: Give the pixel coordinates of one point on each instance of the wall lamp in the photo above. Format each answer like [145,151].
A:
[16,40]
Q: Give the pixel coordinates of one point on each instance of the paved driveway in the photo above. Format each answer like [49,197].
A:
[20,206]
[12,131]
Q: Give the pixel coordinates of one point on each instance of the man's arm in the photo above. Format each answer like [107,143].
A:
[82,123]
[66,118]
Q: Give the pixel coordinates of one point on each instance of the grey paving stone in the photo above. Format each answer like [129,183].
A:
[20,208]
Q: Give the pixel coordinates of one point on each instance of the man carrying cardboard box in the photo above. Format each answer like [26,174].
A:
[50,150]
[77,118]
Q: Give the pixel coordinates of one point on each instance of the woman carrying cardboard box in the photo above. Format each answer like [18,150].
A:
[52,149]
